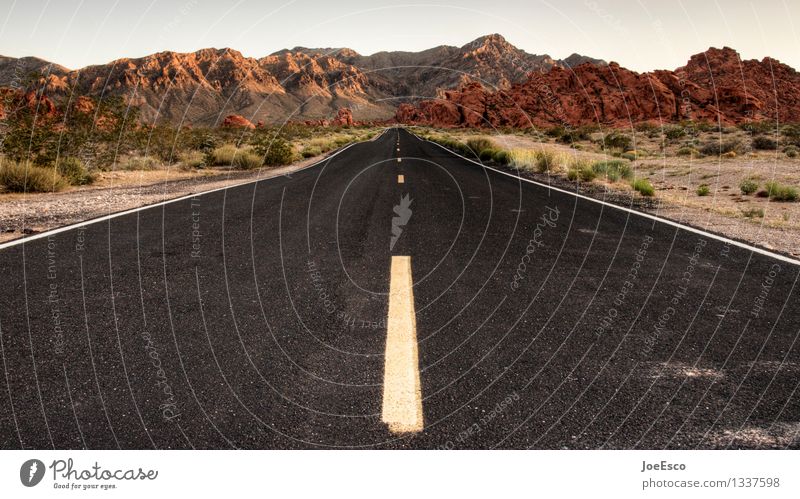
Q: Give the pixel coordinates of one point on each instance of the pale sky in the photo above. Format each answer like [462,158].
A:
[639,34]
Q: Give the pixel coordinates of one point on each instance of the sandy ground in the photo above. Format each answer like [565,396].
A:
[23,214]
[725,210]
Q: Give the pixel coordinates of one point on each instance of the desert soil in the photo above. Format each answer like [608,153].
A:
[676,179]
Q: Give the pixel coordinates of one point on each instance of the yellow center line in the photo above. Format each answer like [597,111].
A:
[402,391]
[401,179]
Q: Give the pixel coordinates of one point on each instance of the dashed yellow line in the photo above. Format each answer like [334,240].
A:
[401,179]
[402,391]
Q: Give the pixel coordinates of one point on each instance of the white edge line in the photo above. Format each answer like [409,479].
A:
[103,218]
[687,228]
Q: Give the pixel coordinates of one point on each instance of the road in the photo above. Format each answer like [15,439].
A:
[521,317]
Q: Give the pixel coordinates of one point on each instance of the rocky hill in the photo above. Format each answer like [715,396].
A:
[204,87]
[714,85]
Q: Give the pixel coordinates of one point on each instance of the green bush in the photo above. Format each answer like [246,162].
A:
[616,140]
[764,143]
[277,152]
[790,151]
[478,144]
[556,131]
[572,174]
[572,135]
[688,151]
[703,190]
[792,133]
[748,186]
[643,186]
[758,126]
[25,177]
[501,157]
[613,169]
[674,132]
[74,172]
[587,174]
[192,159]
[311,151]
[720,147]
[781,192]
[487,154]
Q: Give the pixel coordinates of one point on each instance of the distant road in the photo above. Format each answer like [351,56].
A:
[260,316]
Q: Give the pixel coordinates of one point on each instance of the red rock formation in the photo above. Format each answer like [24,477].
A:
[13,100]
[83,105]
[713,85]
[236,121]
[344,117]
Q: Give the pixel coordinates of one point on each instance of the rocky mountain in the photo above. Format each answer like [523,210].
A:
[294,84]
[714,85]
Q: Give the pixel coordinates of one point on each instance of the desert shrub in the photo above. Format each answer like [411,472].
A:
[192,159]
[575,134]
[613,169]
[792,133]
[790,151]
[141,163]
[721,147]
[748,186]
[546,161]
[247,160]
[556,131]
[688,151]
[501,157]
[757,126]
[572,174]
[478,144]
[616,140]
[729,155]
[643,187]
[25,177]
[311,151]
[704,126]
[524,159]
[647,127]
[276,152]
[781,192]
[224,155]
[325,145]
[753,213]
[703,190]
[764,143]
[586,173]
[74,171]
[630,155]
[674,132]
[487,154]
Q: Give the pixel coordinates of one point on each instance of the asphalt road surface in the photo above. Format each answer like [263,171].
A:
[256,317]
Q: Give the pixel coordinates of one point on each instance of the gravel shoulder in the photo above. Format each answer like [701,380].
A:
[31,213]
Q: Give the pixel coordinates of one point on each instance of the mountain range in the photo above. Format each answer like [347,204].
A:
[296,84]
[487,82]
